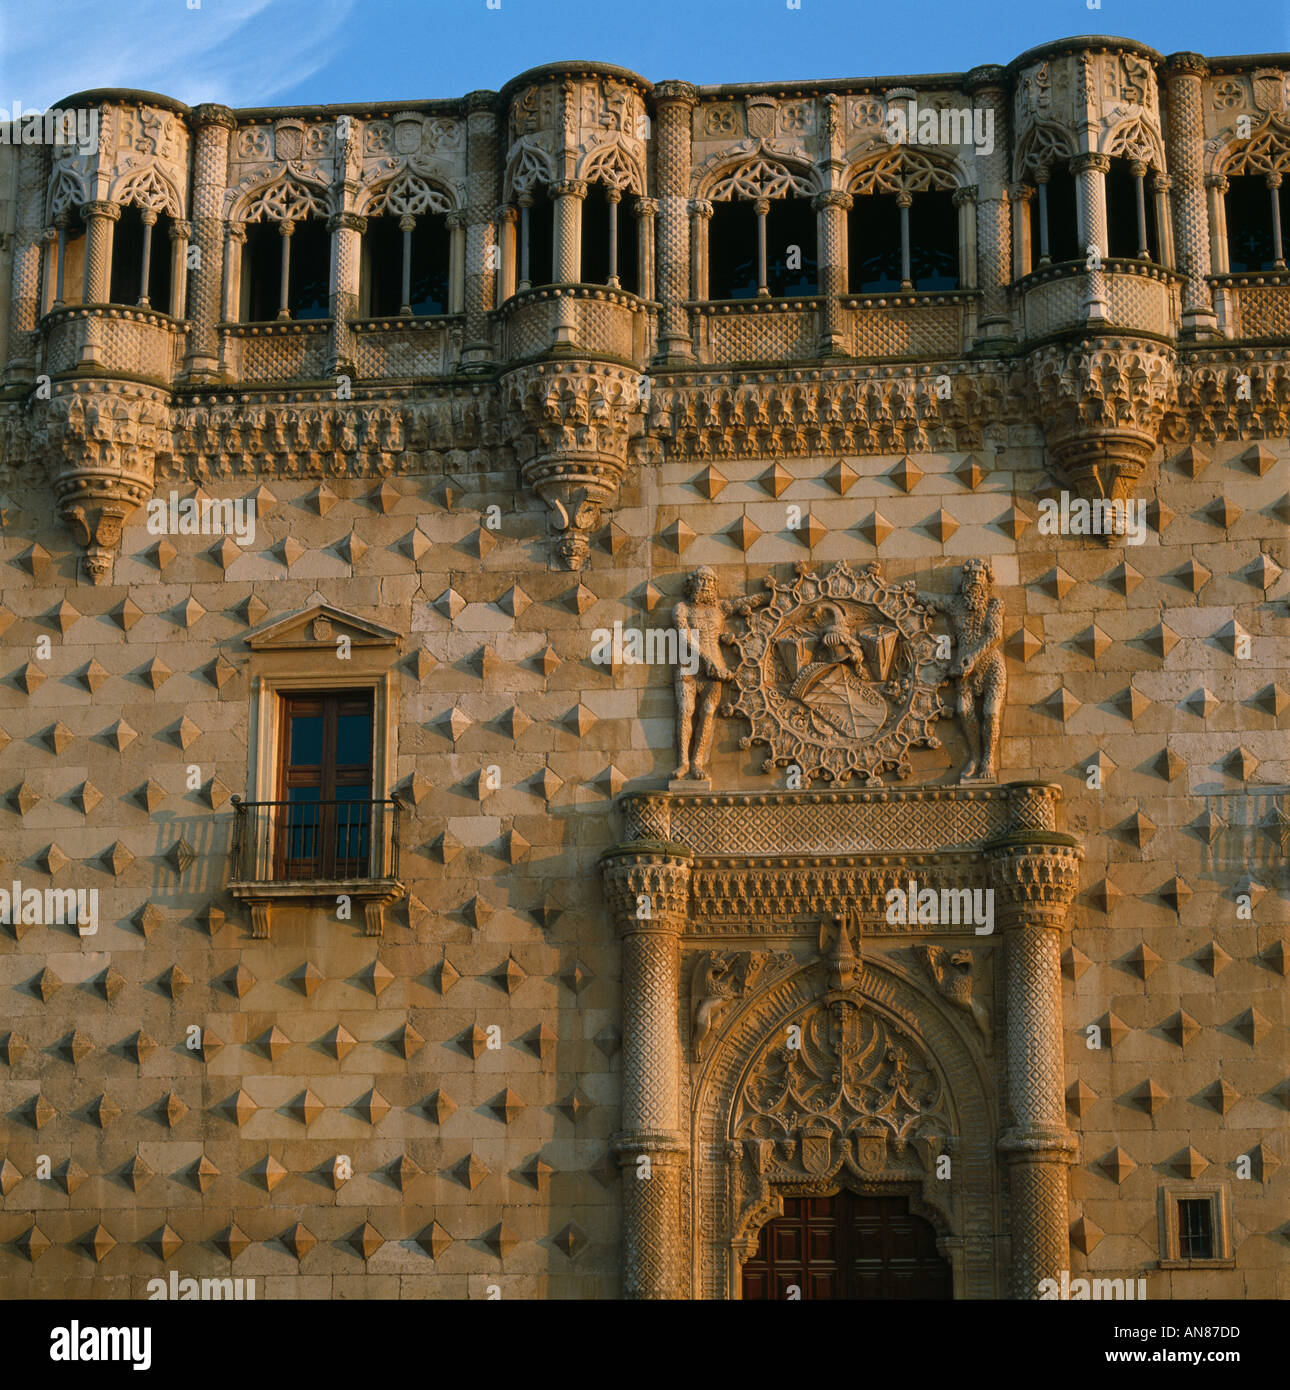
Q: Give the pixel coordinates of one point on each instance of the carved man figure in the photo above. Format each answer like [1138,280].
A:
[976,623]
[700,619]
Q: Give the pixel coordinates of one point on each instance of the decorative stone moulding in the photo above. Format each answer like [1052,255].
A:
[571,424]
[1103,403]
[100,445]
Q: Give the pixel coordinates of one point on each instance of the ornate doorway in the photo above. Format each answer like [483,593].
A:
[786,1033]
[847,1246]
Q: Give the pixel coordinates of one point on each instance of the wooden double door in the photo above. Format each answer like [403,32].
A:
[847,1246]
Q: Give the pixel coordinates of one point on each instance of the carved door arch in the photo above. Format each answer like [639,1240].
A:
[815,1085]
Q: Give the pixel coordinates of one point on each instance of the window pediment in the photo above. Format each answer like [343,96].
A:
[318,626]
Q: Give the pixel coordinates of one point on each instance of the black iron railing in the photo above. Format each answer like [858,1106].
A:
[315,841]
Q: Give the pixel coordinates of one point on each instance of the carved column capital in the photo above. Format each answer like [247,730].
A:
[508,212]
[646,207]
[1035,876]
[648,885]
[1186,65]
[569,188]
[98,208]
[181,231]
[347,221]
[833,198]
[211,113]
[1090,160]
[700,207]
[673,92]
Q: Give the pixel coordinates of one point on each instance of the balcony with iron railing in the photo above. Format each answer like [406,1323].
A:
[310,851]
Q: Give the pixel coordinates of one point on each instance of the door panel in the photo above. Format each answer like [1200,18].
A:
[847,1247]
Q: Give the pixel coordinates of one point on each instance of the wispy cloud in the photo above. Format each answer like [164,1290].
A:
[240,52]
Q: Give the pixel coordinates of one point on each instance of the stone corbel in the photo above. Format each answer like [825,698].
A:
[1101,403]
[571,425]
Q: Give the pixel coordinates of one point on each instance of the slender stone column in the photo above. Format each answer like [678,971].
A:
[507,216]
[566,264]
[991,258]
[51,273]
[1160,186]
[1023,251]
[965,201]
[180,233]
[701,211]
[100,220]
[213,126]
[24,300]
[1090,170]
[457,227]
[646,211]
[1034,871]
[673,102]
[1184,91]
[647,884]
[479,253]
[347,230]
[234,240]
[831,208]
[1216,187]
[148,216]
[904,201]
[1278,244]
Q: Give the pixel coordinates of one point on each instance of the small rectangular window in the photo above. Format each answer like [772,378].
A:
[1196,1229]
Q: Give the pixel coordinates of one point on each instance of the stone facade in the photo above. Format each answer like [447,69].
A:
[536,1042]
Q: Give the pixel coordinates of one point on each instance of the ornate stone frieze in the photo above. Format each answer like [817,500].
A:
[921,820]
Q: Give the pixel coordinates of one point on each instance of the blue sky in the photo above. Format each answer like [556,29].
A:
[283,52]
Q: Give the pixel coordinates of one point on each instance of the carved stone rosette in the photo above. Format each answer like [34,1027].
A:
[1035,875]
[571,423]
[647,884]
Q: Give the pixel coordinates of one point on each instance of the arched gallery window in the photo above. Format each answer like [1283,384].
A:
[286,262]
[903,226]
[762,239]
[406,267]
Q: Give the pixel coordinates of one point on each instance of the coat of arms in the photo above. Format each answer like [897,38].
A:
[839,675]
